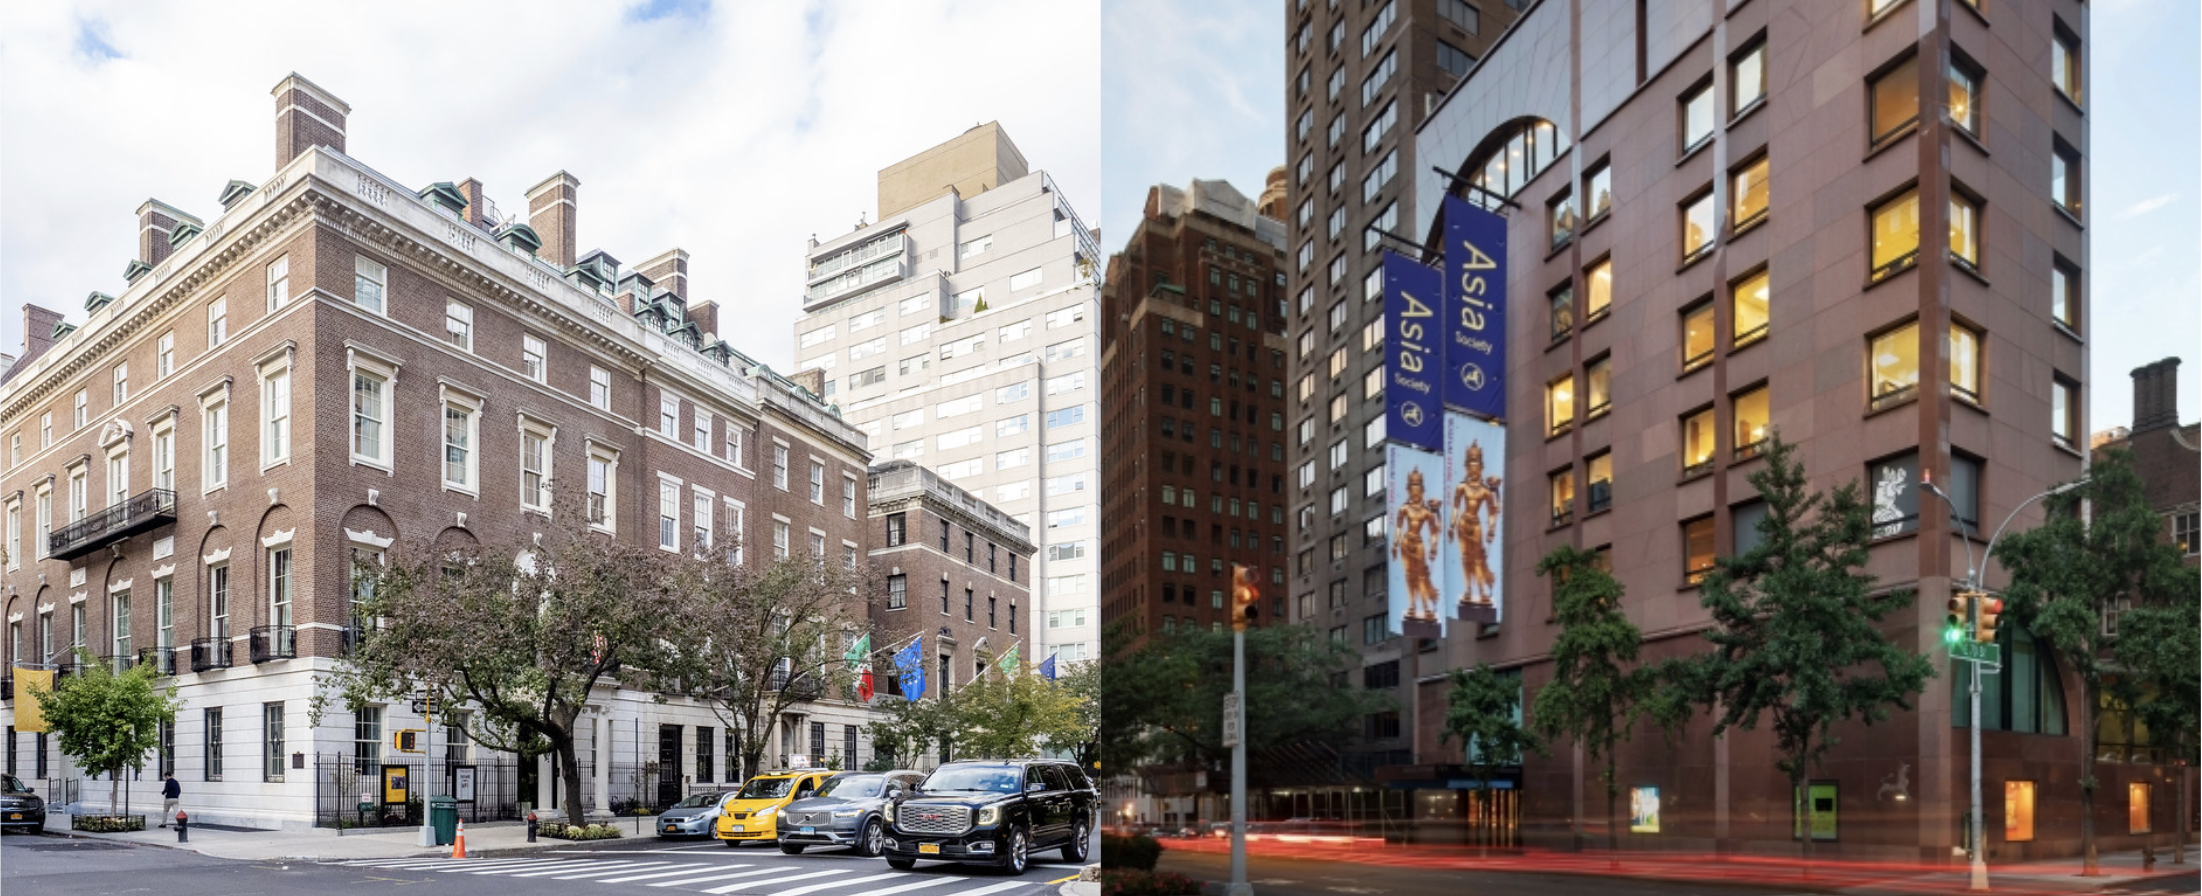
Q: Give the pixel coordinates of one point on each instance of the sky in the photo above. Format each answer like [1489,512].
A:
[1197,90]
[732,130]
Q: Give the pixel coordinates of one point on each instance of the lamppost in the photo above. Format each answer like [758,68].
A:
[1972,583]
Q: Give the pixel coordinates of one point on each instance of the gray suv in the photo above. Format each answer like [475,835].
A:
[845,812]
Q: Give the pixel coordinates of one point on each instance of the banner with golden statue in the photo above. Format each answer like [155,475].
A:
[1475,472]
[1414,518]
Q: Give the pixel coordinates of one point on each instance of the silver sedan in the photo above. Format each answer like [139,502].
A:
[693,816]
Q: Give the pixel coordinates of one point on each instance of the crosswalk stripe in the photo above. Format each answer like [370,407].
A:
[444,864]
[928,882]
[982,891]
[596,869]
[813,888]
[684,869]
[421,860]
[729,888]
[698,880]
[534,866]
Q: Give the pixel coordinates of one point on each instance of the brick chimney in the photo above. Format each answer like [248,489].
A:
[668,269]
[705,315]
[551,210]
[306,116]
[38,331]
[156,219]
[477,206]
[2156,395]
[810,378]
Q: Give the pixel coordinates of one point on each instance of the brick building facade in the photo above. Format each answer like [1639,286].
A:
[957,573]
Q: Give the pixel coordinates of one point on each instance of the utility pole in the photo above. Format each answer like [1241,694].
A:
[1244,605]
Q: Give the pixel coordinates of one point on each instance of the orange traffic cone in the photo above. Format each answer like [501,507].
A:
[458,843]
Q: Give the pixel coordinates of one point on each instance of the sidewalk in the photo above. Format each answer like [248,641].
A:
[324,843]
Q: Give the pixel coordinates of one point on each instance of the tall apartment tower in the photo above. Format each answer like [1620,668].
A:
[1363,77]
[1861,226]
[333,368]
[1192,411]
[957,331]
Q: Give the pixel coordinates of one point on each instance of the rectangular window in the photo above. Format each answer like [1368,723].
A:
[279,283]
[1562,304]
[1599,470]
[217,323]
[898,591]
[1964,362]
[700,519]
[2064,412]
[1965,230]
[699,426]
[1965,80]
[1562,489]
[2064,177]
[458,325]
[275,414]
[1024,280]
[279,586]
[121,391]
[1559,405]
[1895,100]
[213,759]
[1697,549]
[1454,60]
[217,589]
[534,357]
[1750,193]
[1753,413]
[1373,35]
[119,622]
[271,739]
[705,762]
[367,741]
[668,515]
[600,388]
[81,410]
[1598,384]
[369,277]
[1896,234]
[848,497]
[1700,218]
[216,472]
[737,523]
[1379,176]
[2018,811]
[1747,78]
[2064,294]
[780,466]
[164,355]
[1751,296]
[1697,336]
[458,445]
[535,469]
[1697,117]
[370,410]
[1560,219]
[668,415]
[2064,61]
[1895,357]
[602,469]
[817,483]
[1699,437]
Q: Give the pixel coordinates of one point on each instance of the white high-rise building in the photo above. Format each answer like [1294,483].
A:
[958,331]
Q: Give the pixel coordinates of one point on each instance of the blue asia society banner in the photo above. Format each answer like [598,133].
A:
[1414,355]
[1474,348]
[1475,470]
[1414,513]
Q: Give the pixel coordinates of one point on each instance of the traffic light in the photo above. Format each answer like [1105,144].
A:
[406,740]
[1245,597]
[1989,607]
[1961,614]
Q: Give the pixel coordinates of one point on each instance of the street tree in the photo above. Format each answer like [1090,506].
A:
[2159,652]
[1795,632]
[907,729]
[1483,712]
[1162,703]
[1000,715]
[2069,572]
[1598,689]
[521,628]
[758,640]
[108,721]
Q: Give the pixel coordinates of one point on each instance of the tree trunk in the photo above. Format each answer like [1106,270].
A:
[2090,863]
[2179,850]
[1613,831]
[114,789]
[1803,797]
[569,765]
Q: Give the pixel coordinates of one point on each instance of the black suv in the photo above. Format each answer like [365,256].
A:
[993,812]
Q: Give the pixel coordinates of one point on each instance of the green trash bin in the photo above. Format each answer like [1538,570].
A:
[443,814]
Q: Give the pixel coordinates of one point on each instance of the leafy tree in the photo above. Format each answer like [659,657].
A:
[1162,702]
[1597,690]
[108,721]
[2068,572]
[523,629]
[2158,649]
[1482,712]
[908,729]
[1001,717]
[760,640]
[1795,632]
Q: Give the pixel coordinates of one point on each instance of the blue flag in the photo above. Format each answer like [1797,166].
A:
[911,661]
[1047,667]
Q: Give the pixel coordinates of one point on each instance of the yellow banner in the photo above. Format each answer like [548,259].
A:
[28,718]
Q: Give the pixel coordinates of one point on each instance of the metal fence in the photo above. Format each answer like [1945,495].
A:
[341,789]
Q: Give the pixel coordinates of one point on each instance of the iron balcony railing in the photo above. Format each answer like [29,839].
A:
[7,687]
[274,642]
[163,659]
[140,512]
[209,653]
[119,663]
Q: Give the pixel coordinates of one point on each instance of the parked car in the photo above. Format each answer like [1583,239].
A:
[694,816]
[750,815]
[993,812]
[20,807]
[845,812]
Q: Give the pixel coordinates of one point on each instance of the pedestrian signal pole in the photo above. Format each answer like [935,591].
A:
[1244,596]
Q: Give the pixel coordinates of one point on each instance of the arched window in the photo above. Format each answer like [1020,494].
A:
[1510,157]
[2027,698]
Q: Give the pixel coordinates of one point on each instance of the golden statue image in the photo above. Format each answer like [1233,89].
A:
[1475,496]
[1414,553]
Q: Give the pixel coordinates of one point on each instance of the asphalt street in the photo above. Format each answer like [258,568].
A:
[57,865]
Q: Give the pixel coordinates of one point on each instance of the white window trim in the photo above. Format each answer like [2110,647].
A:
[549,433]
[594,372]
[445,336]
[356,360]
[213,398]
[708,521]
[542,369]
[736,530]
[280,364]
[669,511]
[453,397]
[610,456]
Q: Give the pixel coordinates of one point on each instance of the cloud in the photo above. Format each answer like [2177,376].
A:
[734,131]
[1193,90]
[92,42]
[2148,205]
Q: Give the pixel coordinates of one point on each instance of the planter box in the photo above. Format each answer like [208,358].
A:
[106,824]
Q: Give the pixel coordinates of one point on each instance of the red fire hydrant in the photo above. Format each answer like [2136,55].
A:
[183,827]
[531,827]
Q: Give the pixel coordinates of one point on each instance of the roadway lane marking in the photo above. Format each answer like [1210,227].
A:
[698,880]
[929,882]
[729,888]
[813,888]
[535,866]
[684,869]
[446,864]
[599,868]
[393,863]
[1011,885]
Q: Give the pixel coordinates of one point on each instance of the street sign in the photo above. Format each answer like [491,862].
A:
[1976,652]
[1232,719]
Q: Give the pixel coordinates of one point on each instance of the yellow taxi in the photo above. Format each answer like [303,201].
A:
[751,815]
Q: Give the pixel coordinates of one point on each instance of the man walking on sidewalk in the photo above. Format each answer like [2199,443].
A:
[171,792]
